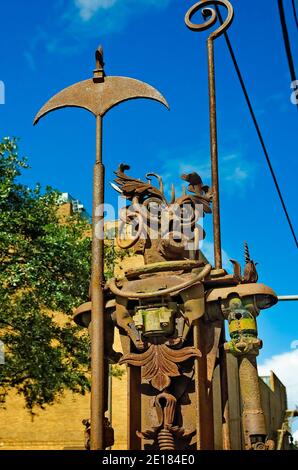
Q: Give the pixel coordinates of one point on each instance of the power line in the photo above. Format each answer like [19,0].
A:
[257,127]
[295,12]
[285,34]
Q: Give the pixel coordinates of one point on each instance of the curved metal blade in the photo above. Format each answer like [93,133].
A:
[98,98]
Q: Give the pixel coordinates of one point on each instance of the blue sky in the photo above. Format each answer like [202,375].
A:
[46,48]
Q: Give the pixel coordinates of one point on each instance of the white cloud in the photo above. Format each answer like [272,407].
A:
[231,156]
[208,250]
[114,10]
[87,8]
[285,366]
[236,173]
[75,21]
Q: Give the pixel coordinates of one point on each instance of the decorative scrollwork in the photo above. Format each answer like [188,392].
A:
[123,244]
[173,224]
[213,17]
[165,432]
[159,363]
[132,188]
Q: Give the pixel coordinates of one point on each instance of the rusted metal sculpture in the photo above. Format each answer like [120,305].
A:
[98,95]
[171,311]
[171,314]
[161,308]
[158,306]
[239,304]
[210,17]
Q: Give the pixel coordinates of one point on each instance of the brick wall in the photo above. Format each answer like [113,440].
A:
[59,426]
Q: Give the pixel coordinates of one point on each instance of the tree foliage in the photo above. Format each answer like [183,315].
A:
[44,269]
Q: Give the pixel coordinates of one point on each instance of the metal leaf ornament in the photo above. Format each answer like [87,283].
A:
[159,363]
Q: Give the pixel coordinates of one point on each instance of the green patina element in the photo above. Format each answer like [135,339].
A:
[155,321]
[242,323]
[242,326]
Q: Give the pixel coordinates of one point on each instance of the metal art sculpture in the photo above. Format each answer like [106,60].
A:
[98,95]
[162,309]
[210,17]
[170,314]
[158,306]
[240,304]
[171,311]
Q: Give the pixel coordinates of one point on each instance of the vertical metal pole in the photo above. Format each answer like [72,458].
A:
[204,415]
[226,438]
[253,418]
[209,12]
[134,405]
[110,399]
[97,298]
[214,156]
[110,396]
[99,97]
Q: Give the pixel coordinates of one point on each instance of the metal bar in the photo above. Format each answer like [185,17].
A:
[287,297]
[209,12]
[134,404]
[110,396]
[110,399]
[204,416]
[97,298]
[253,418]
[214,156]
[226,437]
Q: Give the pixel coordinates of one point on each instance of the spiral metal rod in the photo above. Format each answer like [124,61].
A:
[213,17]
[212,101]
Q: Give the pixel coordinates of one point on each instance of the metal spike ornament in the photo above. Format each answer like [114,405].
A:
[250,269]
[246,253]
[211,17]
[98,95]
